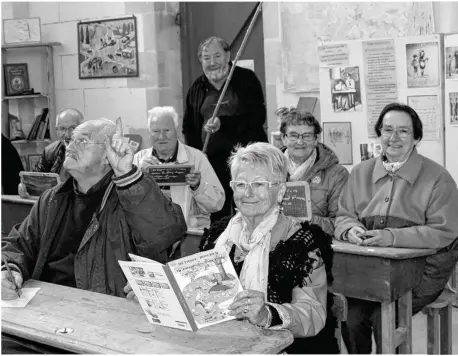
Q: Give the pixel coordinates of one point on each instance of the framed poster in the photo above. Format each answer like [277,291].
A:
[451,62]
[337,136]
[16,78]
[22,30]
[108,48]
[422,65]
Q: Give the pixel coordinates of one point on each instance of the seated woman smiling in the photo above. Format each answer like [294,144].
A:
[284,266]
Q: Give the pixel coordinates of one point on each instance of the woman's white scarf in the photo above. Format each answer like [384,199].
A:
[297,172]
[255,270]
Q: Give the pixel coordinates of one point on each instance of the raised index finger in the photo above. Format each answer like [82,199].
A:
[119,126]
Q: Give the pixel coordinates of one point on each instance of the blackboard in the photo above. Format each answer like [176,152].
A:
[296,201]
[37,182]
[169,174]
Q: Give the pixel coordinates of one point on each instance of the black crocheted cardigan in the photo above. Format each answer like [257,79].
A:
[290,266]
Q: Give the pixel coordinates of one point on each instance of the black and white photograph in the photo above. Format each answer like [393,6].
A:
[453,107]
[345,89]
[451,62]
[422,65]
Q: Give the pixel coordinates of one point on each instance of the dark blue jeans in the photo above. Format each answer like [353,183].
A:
[364,316]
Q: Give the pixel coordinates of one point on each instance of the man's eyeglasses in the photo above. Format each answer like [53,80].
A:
[258,186]
[61,129]
[293,136]
[401,133]
[81,143]
[157,133]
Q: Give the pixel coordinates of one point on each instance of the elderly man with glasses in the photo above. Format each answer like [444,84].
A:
[77,231]
[53,155]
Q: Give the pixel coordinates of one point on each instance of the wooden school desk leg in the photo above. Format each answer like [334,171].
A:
[388,316]
[404,331]
[446,330]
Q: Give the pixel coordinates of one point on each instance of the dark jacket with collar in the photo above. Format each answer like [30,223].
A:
[245,127]
[52,159]
[136,218]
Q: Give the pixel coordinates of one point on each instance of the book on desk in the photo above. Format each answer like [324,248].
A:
[189,293]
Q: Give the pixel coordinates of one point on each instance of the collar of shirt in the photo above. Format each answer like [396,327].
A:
[167,160]
[101,185]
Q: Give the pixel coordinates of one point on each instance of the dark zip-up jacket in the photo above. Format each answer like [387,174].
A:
[134,217]
[245,127]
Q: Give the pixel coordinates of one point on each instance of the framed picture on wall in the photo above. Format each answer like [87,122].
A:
[337,136]
[21,30]
[108,48]
[33,159]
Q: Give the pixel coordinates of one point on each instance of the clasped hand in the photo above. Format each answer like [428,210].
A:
[250,304]
[213,126]
[359,236]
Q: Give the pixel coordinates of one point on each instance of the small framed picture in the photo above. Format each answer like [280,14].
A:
[337,136]
[33,159]
[22,30]
[16,78]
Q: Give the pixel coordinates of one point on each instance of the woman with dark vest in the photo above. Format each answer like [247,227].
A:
[284,265]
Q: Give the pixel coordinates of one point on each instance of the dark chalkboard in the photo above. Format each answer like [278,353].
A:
[296,201]
[169,174]
[37,182]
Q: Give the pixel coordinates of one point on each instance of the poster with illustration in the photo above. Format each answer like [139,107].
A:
[337,136]
[422,65]
[345,89]
[451,62]
[453,104]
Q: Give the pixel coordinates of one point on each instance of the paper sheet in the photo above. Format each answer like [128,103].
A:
[26,297]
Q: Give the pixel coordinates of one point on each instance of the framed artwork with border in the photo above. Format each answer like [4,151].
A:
[337,136]
[108,48]
[16,77]
[25,30]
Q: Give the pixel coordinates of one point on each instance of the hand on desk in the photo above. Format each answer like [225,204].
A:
[356,235]
[381,238]
[130,293]
[22,191]
[250,304]
[8,288]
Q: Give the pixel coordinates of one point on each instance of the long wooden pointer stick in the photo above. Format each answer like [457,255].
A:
[221,97]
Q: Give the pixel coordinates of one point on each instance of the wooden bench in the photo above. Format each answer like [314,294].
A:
[340,311]
[439,324]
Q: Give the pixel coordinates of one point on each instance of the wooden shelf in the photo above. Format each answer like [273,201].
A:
[30,44]
[15,97]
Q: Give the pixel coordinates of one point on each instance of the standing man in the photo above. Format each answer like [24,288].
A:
[240,118]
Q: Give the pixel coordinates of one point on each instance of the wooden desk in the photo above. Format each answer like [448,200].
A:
[14,210]
[107,324]
[384,275]
[349,93]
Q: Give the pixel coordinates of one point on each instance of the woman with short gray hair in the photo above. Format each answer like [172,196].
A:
[284,265]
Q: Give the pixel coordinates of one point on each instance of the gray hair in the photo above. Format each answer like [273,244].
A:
[160,111]
[100,128]
[209,40]
[260,154]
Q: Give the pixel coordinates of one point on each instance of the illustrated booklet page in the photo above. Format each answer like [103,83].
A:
[189,293]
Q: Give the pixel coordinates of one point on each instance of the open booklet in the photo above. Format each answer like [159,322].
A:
[189,293]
